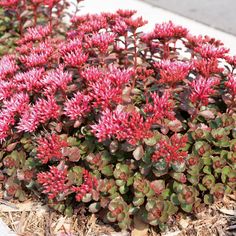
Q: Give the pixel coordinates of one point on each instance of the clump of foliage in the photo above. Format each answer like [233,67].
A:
[123,122]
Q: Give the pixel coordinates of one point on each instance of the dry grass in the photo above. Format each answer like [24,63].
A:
[31,218]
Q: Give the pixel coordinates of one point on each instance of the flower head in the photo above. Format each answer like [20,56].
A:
[101,41]
[160,108]
[231,84]
[50,147]
[211,51]
[54,182]
[171,150]
[165,31]
[37,33]
[78,106]
[202,89]
[8,66]
[89,183]
[121,125]
[173,71]
[42,111]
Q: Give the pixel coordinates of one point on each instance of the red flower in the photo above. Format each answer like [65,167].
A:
[126,13]
[6,120]
[18,103]
[211,51]
[231,84]
[143,73]
[89,183]
[135,23]
[37,33]
[207,67]
[101,41]
[173,71]
[9,3]
[38,56]
[75,58]
[71,45]
[8,66]
[31,81]
[202,89]
[55,80]
[54,182]
[105,87]
[50,147]
[91,23]
[6,89]
[122,125]
[171,150]
[42,111]
[165,31]
[78,106]
[160,108]
[120,27]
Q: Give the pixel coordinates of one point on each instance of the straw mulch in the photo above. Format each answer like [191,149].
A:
[31,218]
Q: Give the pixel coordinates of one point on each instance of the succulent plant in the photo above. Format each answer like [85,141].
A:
[101,116]
[119,212]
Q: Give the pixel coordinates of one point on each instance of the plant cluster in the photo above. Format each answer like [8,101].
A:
[123,122]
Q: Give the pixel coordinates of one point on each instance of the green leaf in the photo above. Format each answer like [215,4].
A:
[207,170]
[130,181]
[123,189]
[187,207]
[193,179]
[207,160]
[202,187]
[150,141]
[174,199]
[226,170]
[208,199]
[166,193]
[107,170]
[68,211]
[120,182]
[177,187]
[138,201]
[110,217]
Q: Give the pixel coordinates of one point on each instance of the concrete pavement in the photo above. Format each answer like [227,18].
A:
[215,13]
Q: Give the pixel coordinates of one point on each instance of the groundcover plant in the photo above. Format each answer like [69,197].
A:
[122,122]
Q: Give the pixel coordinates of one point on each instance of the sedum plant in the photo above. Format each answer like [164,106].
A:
[123,122]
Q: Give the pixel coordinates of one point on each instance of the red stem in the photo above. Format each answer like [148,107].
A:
[135,59]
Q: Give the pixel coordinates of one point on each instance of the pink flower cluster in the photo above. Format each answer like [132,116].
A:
[106,87]
[172,71]
[202,89]
[171,150]
[166,31]
[9,3]
[50,147]
[42,111]
[8,66]
[160,108]
[89,183]
[231,84]
[78,106]
[54,182]
[101,41]
[15,106]
[121,125]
